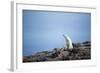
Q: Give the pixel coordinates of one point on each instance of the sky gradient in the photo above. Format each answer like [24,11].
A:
[43,30]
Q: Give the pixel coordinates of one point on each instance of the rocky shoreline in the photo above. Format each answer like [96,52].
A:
[80,51]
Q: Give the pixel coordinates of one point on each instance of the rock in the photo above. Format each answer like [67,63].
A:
[63,54]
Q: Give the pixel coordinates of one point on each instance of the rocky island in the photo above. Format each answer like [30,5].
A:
[71,51]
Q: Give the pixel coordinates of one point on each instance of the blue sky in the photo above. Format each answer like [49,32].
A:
[43,30]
